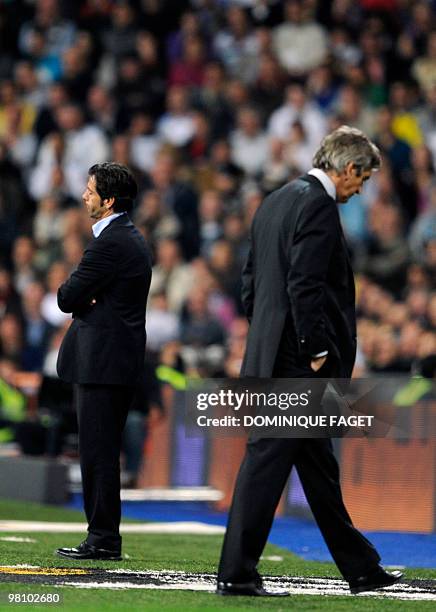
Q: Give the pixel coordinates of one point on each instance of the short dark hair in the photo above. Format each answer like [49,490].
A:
[115,181]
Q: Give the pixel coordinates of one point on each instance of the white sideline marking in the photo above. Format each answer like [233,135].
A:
[16,539]
[179,580]
[296,586]
[182,527]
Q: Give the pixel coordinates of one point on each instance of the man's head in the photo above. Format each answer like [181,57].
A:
[348,157]
[111,188]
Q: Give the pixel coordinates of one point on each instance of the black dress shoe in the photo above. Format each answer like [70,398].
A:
[377,579]
[250,589]
[87,551]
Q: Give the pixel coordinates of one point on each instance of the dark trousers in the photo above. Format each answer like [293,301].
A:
[261,480]
[102,413]
[262,477]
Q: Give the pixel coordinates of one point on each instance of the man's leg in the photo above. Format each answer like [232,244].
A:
[319,474]
[102,412]
[260,483]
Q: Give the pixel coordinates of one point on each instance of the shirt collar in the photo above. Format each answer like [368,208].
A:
[325,181]
[98,227]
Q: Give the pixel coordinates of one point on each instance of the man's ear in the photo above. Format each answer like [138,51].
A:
[108,203]
[349,169]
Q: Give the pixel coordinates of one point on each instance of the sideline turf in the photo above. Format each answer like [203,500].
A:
[175,552]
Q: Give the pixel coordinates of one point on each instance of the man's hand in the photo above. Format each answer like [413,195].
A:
[316,364]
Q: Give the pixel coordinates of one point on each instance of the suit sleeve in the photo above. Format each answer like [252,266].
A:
[309,254]
[247,291]
[96,270]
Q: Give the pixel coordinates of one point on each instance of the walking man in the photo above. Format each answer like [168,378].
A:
[298,294]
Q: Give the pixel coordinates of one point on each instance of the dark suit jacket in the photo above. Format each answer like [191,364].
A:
[106,341]
[298,282]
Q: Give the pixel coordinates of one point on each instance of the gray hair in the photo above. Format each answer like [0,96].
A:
[347,144]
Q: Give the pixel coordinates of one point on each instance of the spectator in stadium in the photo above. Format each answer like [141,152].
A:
[267,91]
[424,68]
[57,274]
[30,89]
[276,170]
[198,148]
[102,108]
[58,33]
[15,209]
[188,70]
[176,126]
[299,42]
[211,99]
[399,154]
[119,38]
[11,339]
[223,265]
[211,213]
[76,73]
[297,107]
[249,143]
[16,123]
[154,221]
[71,153]
[24,264]
[144,142]
[48,224]
[171,274]
[298,149]
[237,46]
[353,110]
[198,328]
[10,302]
[387,254]
[163,326]
[189,27]
[45,122]
[37,330]
[403,103]
[179,199]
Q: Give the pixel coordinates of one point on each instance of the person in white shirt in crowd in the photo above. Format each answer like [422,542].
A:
[296,107]
[249,143]
[82,145]
[162,324]
[171,275]
[298,149]
[176,126]
[299,42]
[56,275]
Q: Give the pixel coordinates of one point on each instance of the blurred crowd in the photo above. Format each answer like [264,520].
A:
[213,104]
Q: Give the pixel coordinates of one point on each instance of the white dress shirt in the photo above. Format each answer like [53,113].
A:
[325,181]
[98,227]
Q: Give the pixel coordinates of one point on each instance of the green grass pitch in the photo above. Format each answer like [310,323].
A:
[167,552]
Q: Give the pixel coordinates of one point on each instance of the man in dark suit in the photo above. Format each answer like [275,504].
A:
[298,293]
[103,350]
